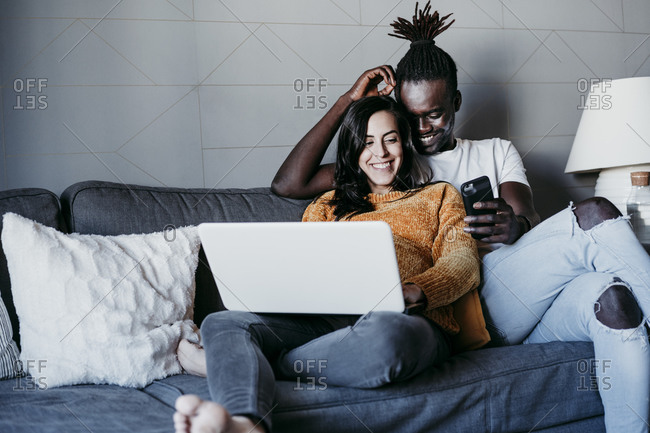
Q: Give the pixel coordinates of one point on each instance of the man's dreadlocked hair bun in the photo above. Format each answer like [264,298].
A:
[424,60]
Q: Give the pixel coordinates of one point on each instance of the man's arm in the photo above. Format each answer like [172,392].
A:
[515,214]
[301,175]
[520,198]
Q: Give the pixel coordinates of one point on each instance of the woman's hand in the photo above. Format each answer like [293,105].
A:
[504,226]
[413,294]
[367,83]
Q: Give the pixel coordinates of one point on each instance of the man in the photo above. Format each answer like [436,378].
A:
[585,257]
[426,83]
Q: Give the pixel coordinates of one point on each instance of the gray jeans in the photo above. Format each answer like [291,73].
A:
[246,351]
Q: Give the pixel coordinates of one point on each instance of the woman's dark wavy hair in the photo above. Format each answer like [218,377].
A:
[352,188]
[424,61]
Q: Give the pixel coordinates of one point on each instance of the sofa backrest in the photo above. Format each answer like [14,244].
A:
[36,204]
[107,208]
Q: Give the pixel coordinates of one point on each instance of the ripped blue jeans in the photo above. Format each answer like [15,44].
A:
[544,288]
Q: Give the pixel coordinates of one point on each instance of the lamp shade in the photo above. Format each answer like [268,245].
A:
[614,129]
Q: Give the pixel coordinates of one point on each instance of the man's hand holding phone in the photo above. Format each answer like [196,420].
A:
[489,220]
[501,226]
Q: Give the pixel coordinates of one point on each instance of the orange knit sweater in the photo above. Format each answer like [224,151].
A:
[432,249]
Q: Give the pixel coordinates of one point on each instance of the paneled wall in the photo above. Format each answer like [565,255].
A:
[214,93]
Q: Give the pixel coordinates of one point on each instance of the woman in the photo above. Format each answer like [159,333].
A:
[377,178]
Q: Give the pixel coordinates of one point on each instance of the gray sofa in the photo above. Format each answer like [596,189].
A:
[542,388]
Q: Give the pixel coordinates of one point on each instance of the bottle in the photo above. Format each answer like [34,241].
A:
[638,206]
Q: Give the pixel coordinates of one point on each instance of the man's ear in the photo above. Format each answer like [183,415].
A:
[458,100]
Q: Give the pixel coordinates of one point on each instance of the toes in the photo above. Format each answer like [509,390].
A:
[188,404]
[181,423]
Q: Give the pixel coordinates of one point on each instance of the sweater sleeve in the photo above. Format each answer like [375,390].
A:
[455,269]
[319,209]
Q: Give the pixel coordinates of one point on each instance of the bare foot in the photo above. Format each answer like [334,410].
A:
[192,358]
[194,415]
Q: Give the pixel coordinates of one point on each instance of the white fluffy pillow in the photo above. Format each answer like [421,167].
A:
[100,309]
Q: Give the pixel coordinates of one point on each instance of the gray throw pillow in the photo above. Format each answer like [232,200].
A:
[8,349]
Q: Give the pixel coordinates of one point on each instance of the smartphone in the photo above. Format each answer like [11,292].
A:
[478,189]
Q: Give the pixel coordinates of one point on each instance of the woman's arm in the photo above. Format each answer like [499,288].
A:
[301,176]
[455,269]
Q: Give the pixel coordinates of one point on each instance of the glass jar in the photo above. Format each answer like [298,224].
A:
[638,205]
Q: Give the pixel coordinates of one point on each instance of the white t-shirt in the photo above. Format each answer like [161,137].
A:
[495,158]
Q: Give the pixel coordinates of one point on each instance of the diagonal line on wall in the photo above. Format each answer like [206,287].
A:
[141,169]
[465,71]
[294,51]
[252,33]
[489,16]
[103,163]
[181,98]
[89,31]
[360,13]
[576,54]
[528,59]
[395,52]
[370,31]
[534,146]
[606,15]
[119,53]
[39,53]
[156,118]
[530,30]
[179,9]
[228,57]
[345,12]
[198,102]
[640,66]
[236,164]
[637,47]
[477,110]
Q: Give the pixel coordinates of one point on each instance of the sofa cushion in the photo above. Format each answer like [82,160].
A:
[109,208]
[523,388]
[80,409]
[536,387]
[37,204]
[100,309]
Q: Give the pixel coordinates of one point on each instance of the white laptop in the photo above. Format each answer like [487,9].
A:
[304,267]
